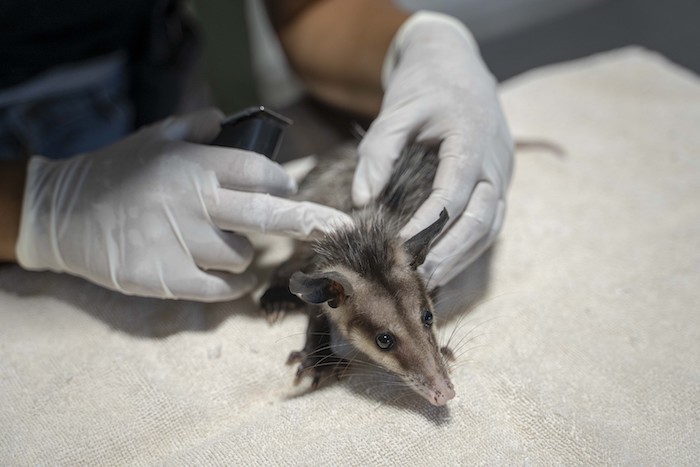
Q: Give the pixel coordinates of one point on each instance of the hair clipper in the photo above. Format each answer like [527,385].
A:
[256,129]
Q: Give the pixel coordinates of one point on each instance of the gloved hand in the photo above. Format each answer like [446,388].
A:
[153,214]
[438,90]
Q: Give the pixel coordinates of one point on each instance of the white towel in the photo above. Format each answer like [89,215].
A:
[580,344]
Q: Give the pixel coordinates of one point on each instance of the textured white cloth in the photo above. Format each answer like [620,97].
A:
[582,345]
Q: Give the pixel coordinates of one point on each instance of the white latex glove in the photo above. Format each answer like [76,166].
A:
[153,214]
[438,90]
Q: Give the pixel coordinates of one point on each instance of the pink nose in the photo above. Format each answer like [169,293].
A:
[442,391]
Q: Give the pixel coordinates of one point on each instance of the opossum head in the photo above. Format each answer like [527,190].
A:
[367,283]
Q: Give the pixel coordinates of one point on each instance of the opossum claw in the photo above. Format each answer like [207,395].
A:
[278,300]
[317,367]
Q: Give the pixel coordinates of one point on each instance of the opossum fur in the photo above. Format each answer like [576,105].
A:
[359,283]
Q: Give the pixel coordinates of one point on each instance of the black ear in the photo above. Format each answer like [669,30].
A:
[419,244]
[331,287]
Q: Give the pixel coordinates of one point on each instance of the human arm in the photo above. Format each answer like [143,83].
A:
[337,47]
[155,213]
[12,175]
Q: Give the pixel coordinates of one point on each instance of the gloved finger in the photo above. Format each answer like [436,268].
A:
[378,151]
[201,126]
[222,251]
[446,272]
[458,171]
[244,170]
[255,212]
[211,286]
[444,275]
[473,225]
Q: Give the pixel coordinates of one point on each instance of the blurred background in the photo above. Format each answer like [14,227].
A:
[514,36]
[244,64]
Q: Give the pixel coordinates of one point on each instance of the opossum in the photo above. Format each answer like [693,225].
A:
[359,283]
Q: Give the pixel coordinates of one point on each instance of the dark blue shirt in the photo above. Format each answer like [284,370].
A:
[36,35]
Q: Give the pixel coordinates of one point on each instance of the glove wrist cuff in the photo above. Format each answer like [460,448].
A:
[35,248]
[416,21]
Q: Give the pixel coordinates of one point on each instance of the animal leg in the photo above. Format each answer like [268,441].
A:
[277,299]
[316,359]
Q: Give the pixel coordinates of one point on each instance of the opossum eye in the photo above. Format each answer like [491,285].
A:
[385,341]
[427,318]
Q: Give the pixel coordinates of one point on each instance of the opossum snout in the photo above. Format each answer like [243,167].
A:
[441,392]
[438,392]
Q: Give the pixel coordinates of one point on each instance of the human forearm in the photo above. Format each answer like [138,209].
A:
[337,47]
[12,176]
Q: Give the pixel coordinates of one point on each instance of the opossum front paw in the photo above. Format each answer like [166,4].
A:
[318,365]
[277,300]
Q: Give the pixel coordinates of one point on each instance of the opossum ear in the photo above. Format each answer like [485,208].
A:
[331,287]
[419,245]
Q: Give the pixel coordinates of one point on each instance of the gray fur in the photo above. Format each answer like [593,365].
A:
[330,183]
[369,258]
[367,247]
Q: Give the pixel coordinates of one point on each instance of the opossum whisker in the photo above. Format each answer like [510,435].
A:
[467,335]
[401,394]
[461,322]
[466,340]
[289,336]
[323,362]
[486,321]
[463,350]
[355,360]
[384,383]
[364,374]
[318,350]
[454,329]
[459,356]
[465,362]
[320,333]
[396,383]
[457,350]
[366,364]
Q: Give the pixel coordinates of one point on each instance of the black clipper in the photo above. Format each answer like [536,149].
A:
[256,129]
